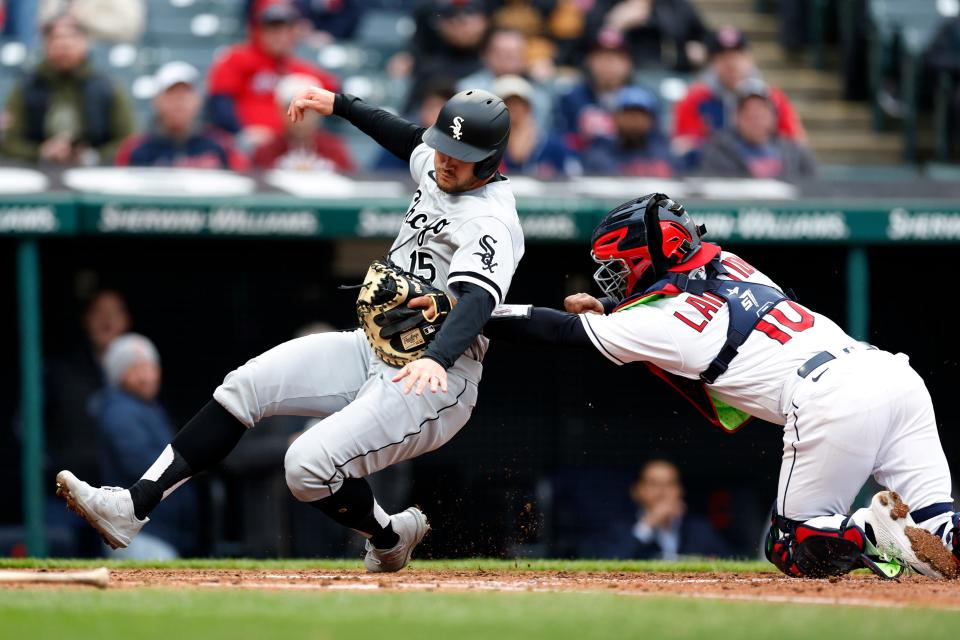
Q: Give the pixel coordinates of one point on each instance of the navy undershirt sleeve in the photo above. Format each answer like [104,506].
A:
[544,326]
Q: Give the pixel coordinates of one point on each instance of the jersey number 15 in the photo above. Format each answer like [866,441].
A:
[421,263]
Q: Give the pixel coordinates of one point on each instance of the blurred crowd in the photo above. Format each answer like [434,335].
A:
[583,80]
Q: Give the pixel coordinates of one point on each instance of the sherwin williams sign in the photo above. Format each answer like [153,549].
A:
[837,222]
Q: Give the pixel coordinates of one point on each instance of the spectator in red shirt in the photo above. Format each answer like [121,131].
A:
[243,80]
[174,138]
[304,145]
[710,105]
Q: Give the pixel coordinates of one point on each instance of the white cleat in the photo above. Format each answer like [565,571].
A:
[411,526]
[109,510]
[898,536]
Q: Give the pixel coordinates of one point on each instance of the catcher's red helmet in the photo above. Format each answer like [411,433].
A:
[650,231]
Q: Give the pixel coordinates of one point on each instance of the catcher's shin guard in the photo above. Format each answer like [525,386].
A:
[803,551]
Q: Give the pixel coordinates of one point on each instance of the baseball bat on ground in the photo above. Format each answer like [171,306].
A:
[96,577]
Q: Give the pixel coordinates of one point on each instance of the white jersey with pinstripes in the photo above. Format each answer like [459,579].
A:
[470,237]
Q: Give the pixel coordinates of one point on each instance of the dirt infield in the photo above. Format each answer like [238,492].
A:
[854,590]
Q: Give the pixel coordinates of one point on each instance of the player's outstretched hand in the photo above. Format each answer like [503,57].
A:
[313,99]
[582,303]
[420,373]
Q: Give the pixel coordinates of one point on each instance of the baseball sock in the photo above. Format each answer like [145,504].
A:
[354,506]
[203,442]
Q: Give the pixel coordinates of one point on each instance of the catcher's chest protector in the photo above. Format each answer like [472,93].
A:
[747,302]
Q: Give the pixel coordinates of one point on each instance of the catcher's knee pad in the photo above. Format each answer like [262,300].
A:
[803,551]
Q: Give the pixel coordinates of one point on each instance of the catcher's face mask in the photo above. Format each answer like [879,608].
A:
[617,277]
[620,270]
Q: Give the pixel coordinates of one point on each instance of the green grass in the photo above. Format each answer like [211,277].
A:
[697,565]
[237,614]
[148,614]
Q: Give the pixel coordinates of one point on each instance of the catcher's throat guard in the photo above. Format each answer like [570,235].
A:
[396,333]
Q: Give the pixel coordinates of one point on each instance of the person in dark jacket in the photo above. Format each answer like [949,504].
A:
[663,528]
[448,43]
[753,149]
[638,148]
[585,112]
[943,56]
[134,429]
[65,111]
[332,20]
[72,380]
[175,139]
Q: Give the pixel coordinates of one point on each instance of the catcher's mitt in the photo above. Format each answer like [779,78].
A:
[397,333]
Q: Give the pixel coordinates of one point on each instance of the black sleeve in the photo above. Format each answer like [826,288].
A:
[398,136]
[464,324]
[609,304]
[545,326]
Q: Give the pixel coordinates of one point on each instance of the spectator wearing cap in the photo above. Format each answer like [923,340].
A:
[175,138]
[531,149]
[710,104]
[303,145]
[64,111]
[753,149]
[448,43]
[638,147]
[133,430]
[585,112]
[243,81]
[505,53]
[663,34]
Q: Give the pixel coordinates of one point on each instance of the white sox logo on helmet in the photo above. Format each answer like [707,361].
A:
[456,127]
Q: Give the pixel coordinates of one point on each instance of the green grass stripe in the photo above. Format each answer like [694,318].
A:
[157,614]
[693,565]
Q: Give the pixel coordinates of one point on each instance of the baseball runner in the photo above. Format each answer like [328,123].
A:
[733,343]
[421,312]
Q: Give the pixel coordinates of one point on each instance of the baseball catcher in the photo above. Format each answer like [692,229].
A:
[737,346]
[460,240]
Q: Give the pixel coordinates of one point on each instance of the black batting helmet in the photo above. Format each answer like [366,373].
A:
[473,126]
[650,234]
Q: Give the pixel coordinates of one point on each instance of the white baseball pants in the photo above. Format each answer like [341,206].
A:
[865,413]
[367,422]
